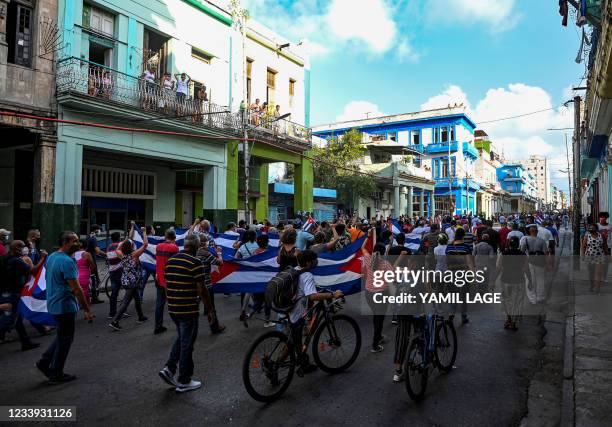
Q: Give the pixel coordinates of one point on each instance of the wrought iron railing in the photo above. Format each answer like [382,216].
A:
[80,76]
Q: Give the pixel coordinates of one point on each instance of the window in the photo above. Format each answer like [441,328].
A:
[444,168]
[98,20]
[436,135]
[416,137]
[200,55]
[270,86]
[392,136]
[19,34]
[291,91]
[249,70]
[444,134]
[452,133]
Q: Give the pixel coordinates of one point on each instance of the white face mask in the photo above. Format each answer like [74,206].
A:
[25,251]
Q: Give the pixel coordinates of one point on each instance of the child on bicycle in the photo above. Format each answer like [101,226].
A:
[306,291]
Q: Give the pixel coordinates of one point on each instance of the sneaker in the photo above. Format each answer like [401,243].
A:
[193,385]
[383,339]
[168,377]
[65,378]
[127,315]
[43,367]
[398,376]
[115,326]
[30,346]
[159,330]
[97,301]
[109,317]
[142,319]
[269,324]
[377,349]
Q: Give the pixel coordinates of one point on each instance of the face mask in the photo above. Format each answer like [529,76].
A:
[25,251]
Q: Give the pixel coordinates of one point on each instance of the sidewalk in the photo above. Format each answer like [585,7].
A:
[592,356]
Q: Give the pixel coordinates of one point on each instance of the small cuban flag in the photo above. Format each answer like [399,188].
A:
[309,224]
[538,220]
[393,226]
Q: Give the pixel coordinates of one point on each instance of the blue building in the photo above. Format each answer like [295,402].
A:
[281,206]
[439,142]
[520,184]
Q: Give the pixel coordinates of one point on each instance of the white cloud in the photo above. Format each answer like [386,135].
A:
[368,22]
[497,15]
[368,27]
[404,52]
[453,94]
[357,110]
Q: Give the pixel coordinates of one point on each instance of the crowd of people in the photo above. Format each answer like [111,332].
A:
[518,250]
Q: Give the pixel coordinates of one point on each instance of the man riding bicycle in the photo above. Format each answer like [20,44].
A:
[306,291]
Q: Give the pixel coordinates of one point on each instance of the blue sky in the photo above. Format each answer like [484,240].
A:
[499,57]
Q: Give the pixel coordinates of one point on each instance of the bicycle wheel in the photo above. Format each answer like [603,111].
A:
[267,369]
[108,287]
[335,346]
[446,346]
[416,370]
[108,290]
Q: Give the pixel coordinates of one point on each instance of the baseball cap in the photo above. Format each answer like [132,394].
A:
[4,231]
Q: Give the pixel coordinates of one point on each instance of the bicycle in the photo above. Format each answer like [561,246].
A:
[440,346]
[108,286]
[271,361]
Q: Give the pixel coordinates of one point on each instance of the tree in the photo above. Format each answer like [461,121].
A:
[336,166]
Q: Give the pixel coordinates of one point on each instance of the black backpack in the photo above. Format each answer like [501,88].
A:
[281,290]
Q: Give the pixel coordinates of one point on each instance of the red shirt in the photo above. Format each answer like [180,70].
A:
[163,251]
[503,237]
[2,250]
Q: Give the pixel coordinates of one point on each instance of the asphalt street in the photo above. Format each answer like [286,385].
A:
[118,382]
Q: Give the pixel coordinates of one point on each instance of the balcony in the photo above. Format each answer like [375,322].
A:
[95,87]
[442,147]
[413,170]
[470,151]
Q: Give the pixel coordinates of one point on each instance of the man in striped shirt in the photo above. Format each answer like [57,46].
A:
[184,275]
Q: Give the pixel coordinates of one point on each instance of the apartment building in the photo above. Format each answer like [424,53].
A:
[538,167]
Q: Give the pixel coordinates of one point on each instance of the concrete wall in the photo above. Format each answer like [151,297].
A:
[31,88]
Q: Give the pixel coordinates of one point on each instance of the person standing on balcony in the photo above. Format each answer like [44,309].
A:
[276,115]
[149,80]
[254,110]
[182,91]
[167,85]
[263,113]
[201,99]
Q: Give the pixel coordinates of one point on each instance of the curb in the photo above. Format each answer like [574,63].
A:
[567,400]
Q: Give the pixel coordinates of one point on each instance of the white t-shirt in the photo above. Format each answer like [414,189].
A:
[149,76]
[450,232]
[606,230]
[181,86]
[545,234]
[440,254]
[306,287]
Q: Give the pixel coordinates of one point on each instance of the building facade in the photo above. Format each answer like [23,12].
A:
[132,144]
[595,150]
[441,145]
[538,167]
[28,49]
[520,184]
[491,198]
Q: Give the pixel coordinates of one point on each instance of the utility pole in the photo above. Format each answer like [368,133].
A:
[569,173]
[239,18]
[577,213]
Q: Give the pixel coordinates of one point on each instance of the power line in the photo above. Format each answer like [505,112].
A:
[519,115]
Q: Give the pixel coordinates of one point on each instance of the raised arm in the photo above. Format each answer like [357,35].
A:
[145,242]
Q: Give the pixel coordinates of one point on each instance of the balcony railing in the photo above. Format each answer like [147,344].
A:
[442,147]
[78,76]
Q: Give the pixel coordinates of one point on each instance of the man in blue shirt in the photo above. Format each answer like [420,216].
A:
[304,238]
[63,292]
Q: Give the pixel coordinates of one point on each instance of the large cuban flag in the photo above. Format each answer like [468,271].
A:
[336,270]
[33,304]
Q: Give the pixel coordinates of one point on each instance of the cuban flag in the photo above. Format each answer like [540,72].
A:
[413,241]
[309,224]
[538,219]
[393,226]
[225,241]
[339,270]
[33,303]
